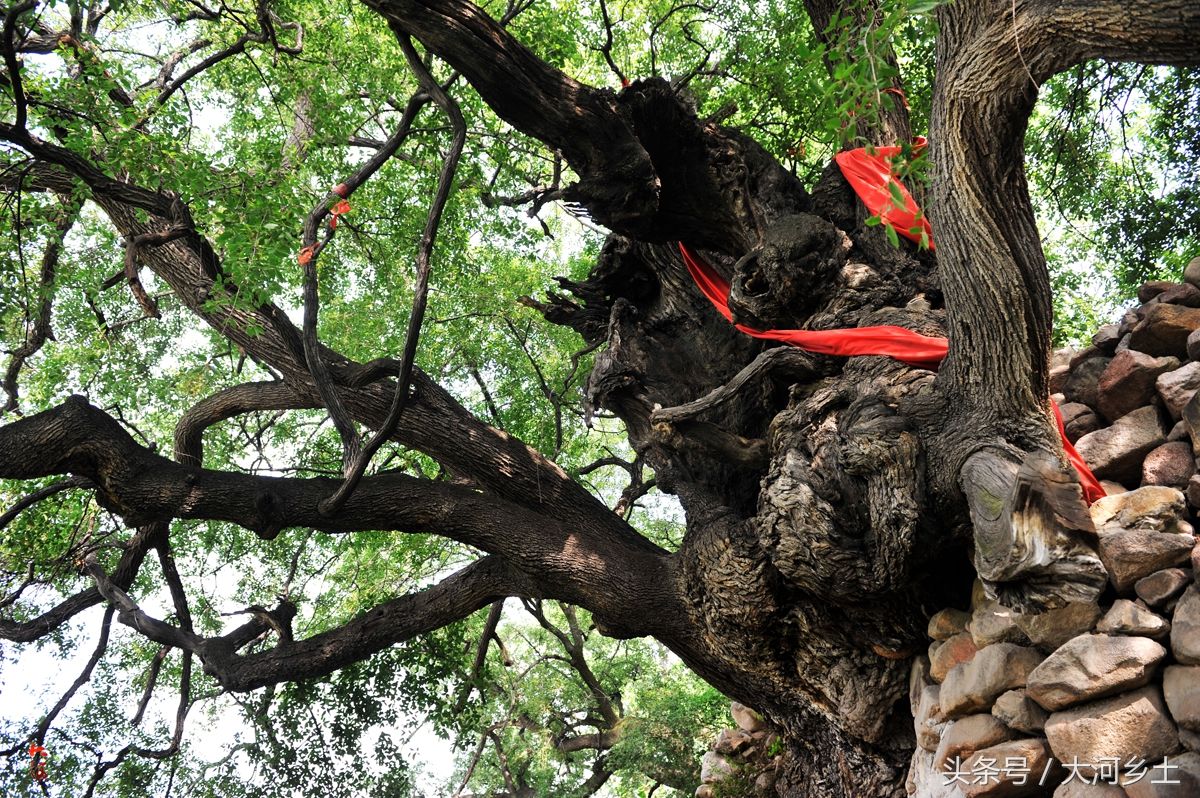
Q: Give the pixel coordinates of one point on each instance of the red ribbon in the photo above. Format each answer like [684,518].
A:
[907,346]
[871,176]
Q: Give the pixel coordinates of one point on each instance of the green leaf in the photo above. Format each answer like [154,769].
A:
[892,236]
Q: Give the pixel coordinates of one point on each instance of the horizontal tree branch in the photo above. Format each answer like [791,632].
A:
[590,566]
[473,587]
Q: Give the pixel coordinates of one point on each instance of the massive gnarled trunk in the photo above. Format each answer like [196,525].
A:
[821,494]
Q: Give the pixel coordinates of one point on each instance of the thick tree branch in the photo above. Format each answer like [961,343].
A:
[394,621]
[589,566]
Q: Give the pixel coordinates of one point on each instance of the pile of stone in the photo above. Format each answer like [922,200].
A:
[1092,699]
[1129,401]
[741,761]
[1087,700]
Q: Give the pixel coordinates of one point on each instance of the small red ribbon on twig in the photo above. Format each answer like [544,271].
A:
[306,254]
[37,765]
[336,211]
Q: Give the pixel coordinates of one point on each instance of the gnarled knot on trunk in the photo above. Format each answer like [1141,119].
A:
[1033,531]
[789,274]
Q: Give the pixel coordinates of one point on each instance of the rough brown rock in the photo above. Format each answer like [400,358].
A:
[1156,508]
[992,622]
[1176,388]
[947,623]
[1117,452]
[1128,382]
[1181,294]
[1132,554]
[1107,337]
[1185,628]
[1163,329]
[1080,421]
[1015,710]
[1033,756]
[965,737]
[1149,290]
[1075,788]
[1127,725]
[1093,666]
[1171,464]
[1052,628]
[1161,586]
[973,686]
[1181,688]
[955,651]
[1127,618]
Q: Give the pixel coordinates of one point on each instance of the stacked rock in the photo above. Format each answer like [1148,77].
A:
[741,761]
[1129,401]
[1091,699]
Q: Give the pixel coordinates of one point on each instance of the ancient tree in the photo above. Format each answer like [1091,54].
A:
[823,495]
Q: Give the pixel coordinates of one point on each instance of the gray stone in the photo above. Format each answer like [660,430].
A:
[1191,272]
[714,767]
[1129,725]
[1074,788]
[1052,628]
[1131,554]
[918,680]
[746,718]
[1181,688]
[1190,740]
[1177,387]
[1161,586]
[947,623]
[1129,382]
[1179,779]
[1185,628]
[1079,420]
[955,651]
[1171,464]
[994,623]
[1193,345]
[1083,384]
[1061,357]
[1015,710]
[927,718]
[925,781]
[973,686]
[1179,432]
[1127,618]
[1191,420]
[1058,378]
[1117,452]
[1163,329]
[966,736]
[1093,666]
[1106,338]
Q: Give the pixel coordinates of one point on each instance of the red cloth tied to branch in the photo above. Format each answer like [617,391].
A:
[870,175]
[907,346]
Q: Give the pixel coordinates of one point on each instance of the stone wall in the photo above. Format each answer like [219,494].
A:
[1092,699]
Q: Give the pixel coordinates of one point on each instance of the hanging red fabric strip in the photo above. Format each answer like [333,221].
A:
[871,177]
[907,346]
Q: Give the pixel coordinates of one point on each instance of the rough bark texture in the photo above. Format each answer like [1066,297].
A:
[826,499]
